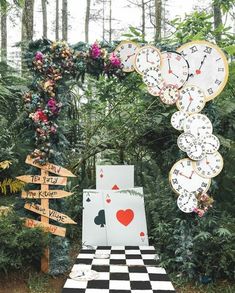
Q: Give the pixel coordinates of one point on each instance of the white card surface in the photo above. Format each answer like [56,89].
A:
[125,217]
[114,177]
[93,220]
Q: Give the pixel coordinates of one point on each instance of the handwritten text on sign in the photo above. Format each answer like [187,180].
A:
[59,231]
[37,179]
[52,214]
[50,167]
[45,194]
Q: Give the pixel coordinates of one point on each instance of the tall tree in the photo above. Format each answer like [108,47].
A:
[110,21]
[57,20]
[65,20]
[103,20]
[87,20]
[3,6]
[27,21]
[158,20]
[44,17]
[217,19]
[143,4]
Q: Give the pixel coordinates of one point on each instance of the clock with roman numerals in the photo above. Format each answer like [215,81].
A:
[208,67]
[183,178]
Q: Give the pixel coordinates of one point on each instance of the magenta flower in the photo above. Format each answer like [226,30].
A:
[114,60]
[95,51]
[53,129]
[38,56]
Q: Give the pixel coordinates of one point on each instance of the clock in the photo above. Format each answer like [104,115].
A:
[169,94]
[126,51]
[191,99]
[185,140]
[210,166]
[178,119]
[211,143]
[198,125]
[155,90]
[174,68]
[187,202]
[183,178]
[208,67]
[196,151]
[152,77]
[147,56]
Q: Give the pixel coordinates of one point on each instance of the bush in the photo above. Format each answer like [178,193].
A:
[20,246]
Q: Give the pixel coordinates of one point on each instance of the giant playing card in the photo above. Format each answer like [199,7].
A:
[93,220]
[125,217]
[116,177]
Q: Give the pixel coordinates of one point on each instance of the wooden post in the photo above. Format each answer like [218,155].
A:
[45,204]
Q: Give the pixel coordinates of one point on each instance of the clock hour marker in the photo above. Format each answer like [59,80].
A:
[193,49]
[208,50]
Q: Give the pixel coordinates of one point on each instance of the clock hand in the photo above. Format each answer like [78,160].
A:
[147,58]
[184,175]
[170,70]
[129,56]
[198,71]
[191,175]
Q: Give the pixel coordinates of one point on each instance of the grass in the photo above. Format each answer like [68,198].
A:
[39,283]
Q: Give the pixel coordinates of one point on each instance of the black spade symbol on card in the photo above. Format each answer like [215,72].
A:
[88,199]
[100,219]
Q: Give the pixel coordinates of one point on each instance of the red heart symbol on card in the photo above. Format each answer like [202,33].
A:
[142,234]
[125,217]
[115,187]
[108,200]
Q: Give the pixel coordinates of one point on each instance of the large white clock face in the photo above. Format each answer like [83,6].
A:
[174,68]
[152,77]
[191,99]
[147,56]
[126,51]
[208,67]
[210,166]
[211,143]
[183,178]
[187,202]
[178,119]
[198,125]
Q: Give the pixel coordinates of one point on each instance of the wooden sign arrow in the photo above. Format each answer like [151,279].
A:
[52,214]
[45,194]
[50,167]
[59,231]
[36,179]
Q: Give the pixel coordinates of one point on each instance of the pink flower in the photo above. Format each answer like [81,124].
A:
[42,116]
[114,60]
[38,56]
[200,213]
[53,129]
[95,51]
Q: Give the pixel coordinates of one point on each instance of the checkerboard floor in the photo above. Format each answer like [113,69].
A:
[130,269]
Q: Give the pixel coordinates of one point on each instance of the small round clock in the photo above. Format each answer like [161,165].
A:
[155,90]
[126,51]
[169,94]
[196,151]
[183,178]
[178,119]
[208,67]
[152,77]
[174,68]
[185,141]
[187,202]
[191,99]
[198,125]
[147,56]
[210,166]
[211,143]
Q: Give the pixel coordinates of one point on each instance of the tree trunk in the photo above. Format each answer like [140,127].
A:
[26,28]
[110,21]
[103,21]
[65,20]
[143,18]
[87,20]
[217,20]
[57,20]
[158,20]
[44,18]
[3,30]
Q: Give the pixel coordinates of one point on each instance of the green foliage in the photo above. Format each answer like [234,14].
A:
[20,246]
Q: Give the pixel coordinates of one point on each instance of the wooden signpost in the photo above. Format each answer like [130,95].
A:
[44,194]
